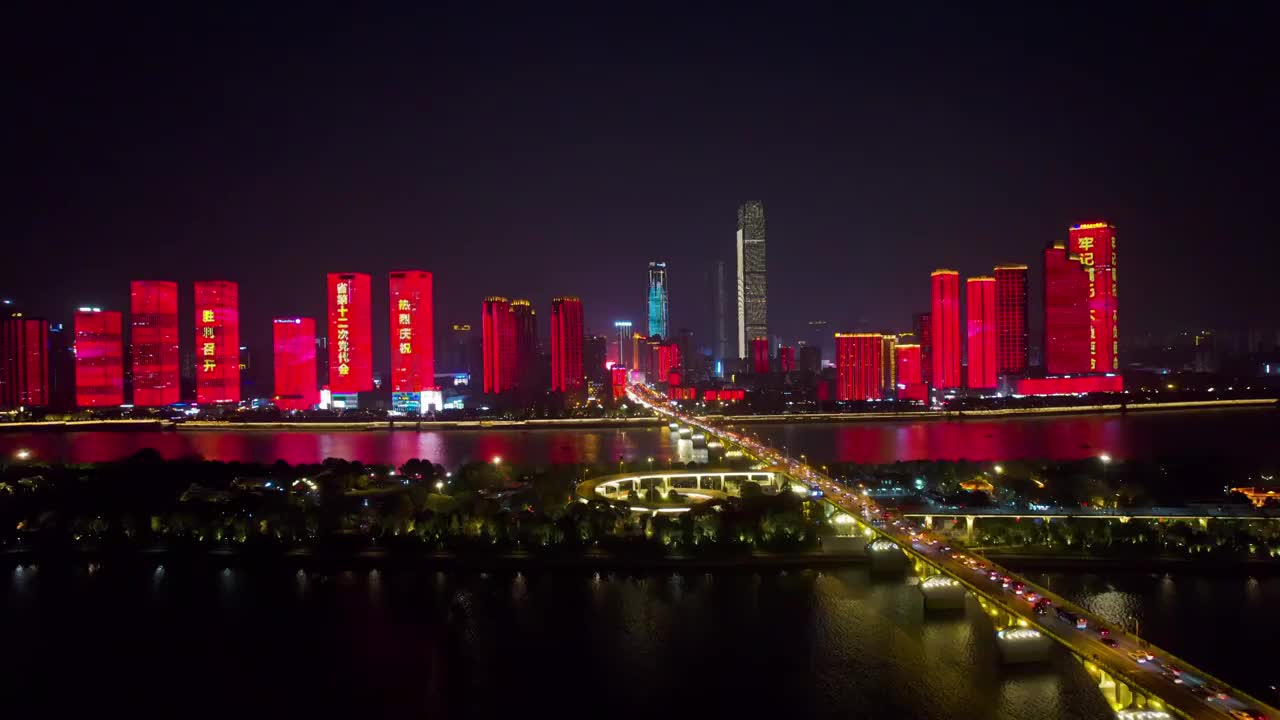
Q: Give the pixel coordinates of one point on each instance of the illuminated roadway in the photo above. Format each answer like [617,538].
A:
[1197,695]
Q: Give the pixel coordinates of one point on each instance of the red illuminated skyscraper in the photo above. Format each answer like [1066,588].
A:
[294,343]
[499,337]
[566,344]
[760,355]
[910,372]
[24,362]
[526,328]
[1011,319]
[217,342]
[859,366]
[1066,313]
[786,358]
[981,332]
[413,365]
[924,332]
[350,332]
[1093,245]
[945,332]
[99,349]
[153,322]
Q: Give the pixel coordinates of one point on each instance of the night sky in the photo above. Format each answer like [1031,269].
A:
[557,152]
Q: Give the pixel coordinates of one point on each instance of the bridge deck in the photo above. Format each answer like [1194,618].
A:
[1145,677]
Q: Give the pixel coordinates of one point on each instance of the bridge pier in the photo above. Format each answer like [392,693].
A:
[1117,691]
[886,558]
[1019,645]
[942,593]
[969,522]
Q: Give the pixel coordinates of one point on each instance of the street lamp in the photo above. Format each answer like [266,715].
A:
[497,459]
[999,469]
[439,485]
[1105,458]
[23,454]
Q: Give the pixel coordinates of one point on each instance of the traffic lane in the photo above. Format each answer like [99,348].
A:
[1151,681]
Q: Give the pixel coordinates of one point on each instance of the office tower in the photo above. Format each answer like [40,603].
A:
[413,354]
[498,328]
[566,344]
[981,332]
[786,358]
[595,355]
[760,355]
[684,341]
[859,375]
[99,351]
[924,334]
[753,307]
[525,322]
[622,328]
[722,321]
[24,361]
[350,333]
[1011,319]
[294,359]
[461,355]
[1093,246]
[217,358]
[658,300]
[888,362]
[909,365]
[810,359]
[153,322]
[666,362]
[1066,313]
[945,334]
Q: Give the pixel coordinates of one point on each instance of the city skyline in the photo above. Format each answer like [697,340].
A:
[399,179]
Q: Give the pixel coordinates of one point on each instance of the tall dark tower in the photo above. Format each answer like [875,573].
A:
[753,304]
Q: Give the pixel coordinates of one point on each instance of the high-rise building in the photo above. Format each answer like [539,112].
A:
[622,328]
[786,358]
[294,358]
[666,362]
[753,306]
[910,371]
[153,342]
[722,321]
[924,334]
[525,320]
[595,355]
[99,350]
[760,355]
[350,332]
[499,332]
[810,358]
[458,354]
[1011,319]
[1093,245]
[945,334]
[1066,313]
[981,332]
[24,361]
[658,320]
[566,344]
[859,375]
[888,363]
[413,354]
[217,359]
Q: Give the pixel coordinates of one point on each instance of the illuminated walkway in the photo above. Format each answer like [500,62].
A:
[1135,677]
[692,487]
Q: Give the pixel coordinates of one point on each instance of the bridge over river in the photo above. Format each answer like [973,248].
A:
[1138,679]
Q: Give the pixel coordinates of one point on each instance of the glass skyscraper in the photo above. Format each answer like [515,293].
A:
[658,323]
[753,306]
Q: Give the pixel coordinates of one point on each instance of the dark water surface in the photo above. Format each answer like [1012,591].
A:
[253,642]
[1243,435]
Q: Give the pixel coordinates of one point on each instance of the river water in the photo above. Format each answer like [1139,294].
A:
[1243,435]
[215,641]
